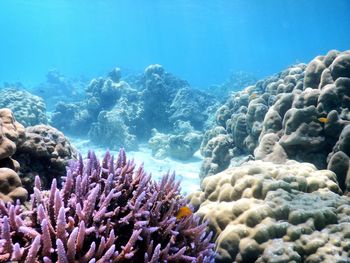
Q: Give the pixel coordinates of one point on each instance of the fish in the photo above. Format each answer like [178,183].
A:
[183,212]
[253,96]
[323,120]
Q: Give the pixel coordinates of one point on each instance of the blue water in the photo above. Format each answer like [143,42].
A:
[199,40]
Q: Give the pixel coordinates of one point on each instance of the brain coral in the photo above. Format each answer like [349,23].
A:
[28,109]
[105,212]
[10,132]
[265,212]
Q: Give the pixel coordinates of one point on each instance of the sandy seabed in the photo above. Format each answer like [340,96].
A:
[187,172]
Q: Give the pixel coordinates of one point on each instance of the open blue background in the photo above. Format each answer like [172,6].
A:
[199,40]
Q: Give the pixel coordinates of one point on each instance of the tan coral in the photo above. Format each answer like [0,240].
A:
[45,151]
[259,207]
[10,133]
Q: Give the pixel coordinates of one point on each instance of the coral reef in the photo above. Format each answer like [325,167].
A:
[28,109]
[192,105]
[45,151]
[181,145]
[111,129]
[116,114]
[58,87]
[237,81]
[10,133]
[105,212]
[266,212]
[297,114]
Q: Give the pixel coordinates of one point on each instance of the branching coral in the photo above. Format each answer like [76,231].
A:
[105,212]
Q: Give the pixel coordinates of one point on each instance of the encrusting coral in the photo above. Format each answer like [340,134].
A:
[105,212]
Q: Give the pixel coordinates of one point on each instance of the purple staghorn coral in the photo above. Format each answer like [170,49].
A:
[105,212]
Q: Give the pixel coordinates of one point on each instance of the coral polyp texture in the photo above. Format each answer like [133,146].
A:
[10,133]
[44,151]
[105,212]
[297,114]
[266,212]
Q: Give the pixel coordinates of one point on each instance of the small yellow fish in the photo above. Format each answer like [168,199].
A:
[183,212]
[323,120]
[253,96]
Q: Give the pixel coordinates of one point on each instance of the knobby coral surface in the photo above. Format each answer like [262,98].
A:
[298,114]
[266,212]
[44,151]
[105,212]
[10,132]
[28,108]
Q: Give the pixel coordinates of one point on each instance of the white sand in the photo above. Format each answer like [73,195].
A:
[187,171]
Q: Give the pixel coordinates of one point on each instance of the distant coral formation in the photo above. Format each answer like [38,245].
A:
[28,109]
[59,87]
[181,145]
[297,114]
[105,212]
[10,133]
[116,113]
[265,212]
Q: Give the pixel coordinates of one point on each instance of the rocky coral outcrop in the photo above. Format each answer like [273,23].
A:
[45,151]
[298,114]
[265,212]
[28,109]
[58,87]
[192,105]
[10,133]
[181,145]
[241,119]
[112,130]
[116,114]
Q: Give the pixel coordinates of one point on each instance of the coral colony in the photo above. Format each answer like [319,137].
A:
[105,212]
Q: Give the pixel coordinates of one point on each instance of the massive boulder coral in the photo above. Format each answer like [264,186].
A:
[318,113]
[105,212]
[339,159]
[45,151]
[298,114]
[10,133]
[241,118]
[265,212]
[28,109]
